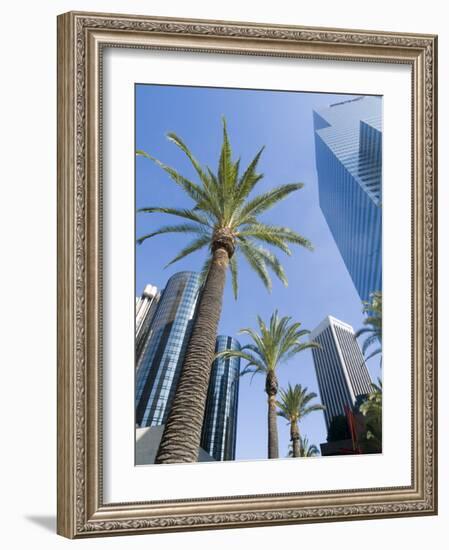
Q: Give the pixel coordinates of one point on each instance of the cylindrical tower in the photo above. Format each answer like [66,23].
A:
[160,362]
[220,419]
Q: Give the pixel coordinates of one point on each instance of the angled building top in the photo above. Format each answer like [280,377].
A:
[352,130]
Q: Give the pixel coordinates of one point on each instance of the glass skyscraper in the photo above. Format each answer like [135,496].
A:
[220,419]
[160,362]
[348,148]
[340,367]
[167,319]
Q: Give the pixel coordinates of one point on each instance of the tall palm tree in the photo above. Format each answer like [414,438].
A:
[306,449]
[373,324]
[224,219]
[294,406]
[276,342]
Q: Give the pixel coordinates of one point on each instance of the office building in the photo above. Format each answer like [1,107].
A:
[146,306]
[220,419]
[348,151]
[160,361]
[340,367]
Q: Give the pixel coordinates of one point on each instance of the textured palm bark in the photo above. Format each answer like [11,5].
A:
[182,435]
[271,388]
[294,436]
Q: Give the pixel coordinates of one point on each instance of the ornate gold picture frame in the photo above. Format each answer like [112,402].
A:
[82,40]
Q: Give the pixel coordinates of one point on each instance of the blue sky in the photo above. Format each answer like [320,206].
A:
[319,283]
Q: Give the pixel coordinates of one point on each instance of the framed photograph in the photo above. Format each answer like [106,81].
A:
[247,315]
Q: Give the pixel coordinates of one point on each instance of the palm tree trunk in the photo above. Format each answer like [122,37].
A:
[294,436]
[271,388]
[181,438]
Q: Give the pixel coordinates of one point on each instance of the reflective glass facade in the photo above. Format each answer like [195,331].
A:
[348,148]
[220,419]
[160,362]
[340,367]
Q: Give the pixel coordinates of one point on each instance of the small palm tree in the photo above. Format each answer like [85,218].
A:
[277,342]
[294,406]
[373,324]
[224,219]
[306,449]
[372,410]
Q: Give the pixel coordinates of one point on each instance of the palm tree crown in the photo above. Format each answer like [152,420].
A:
[373,324]
[224,215]
[294,405]
[278,341]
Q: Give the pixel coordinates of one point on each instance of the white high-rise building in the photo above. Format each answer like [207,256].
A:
[146,306]
[340,367]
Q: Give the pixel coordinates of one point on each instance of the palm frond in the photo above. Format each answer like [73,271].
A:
[249,179]
[265,237]
[182,228]
[255,349]
[364,330]
[205,270]
[194,191]
[306,345]
[180,212]
[256,261]
[225,162]
[271,261]
[180,143]
[372,324]
[234,275]
[261,203]
[195,245]
[369,342]
[378,351]
[276,233]
[251,360]
[259,342]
